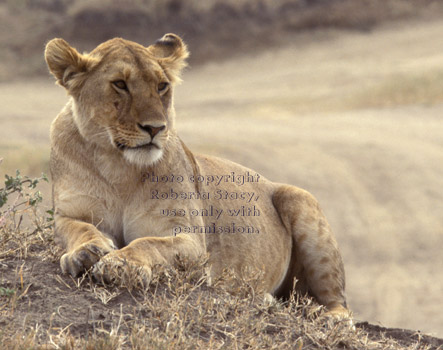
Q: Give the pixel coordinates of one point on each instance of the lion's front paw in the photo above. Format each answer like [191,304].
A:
[113,269]
[84,257]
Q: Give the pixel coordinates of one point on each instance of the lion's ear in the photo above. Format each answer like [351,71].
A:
[66,64]
[172,54]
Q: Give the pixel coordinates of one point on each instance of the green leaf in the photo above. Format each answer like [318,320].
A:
[3,200]
[33,183]
[6,292]
[9,181]
[37,198]
[51,215]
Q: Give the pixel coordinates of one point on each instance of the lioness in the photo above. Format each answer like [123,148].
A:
[126,188]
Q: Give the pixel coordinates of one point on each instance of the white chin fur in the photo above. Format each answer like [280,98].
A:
[143,157]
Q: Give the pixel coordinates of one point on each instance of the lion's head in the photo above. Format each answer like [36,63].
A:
[122,93]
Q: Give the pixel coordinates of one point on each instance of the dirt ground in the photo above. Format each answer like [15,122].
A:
[353,117]
[56,307]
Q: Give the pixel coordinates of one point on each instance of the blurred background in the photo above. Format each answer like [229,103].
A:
[341,97]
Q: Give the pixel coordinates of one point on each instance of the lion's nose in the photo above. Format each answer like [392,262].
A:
[151,130]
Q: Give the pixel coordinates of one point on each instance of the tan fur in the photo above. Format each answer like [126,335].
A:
[105,210]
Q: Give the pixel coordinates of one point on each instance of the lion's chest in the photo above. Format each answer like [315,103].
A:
[150,211]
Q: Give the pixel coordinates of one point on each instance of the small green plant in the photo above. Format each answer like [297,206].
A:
[15,184]
[22,224]
[20,193]
[6,292]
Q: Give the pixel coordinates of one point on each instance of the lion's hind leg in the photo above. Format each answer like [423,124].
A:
[316,261]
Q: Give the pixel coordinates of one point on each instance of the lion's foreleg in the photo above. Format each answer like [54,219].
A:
[84,243]
[146,252]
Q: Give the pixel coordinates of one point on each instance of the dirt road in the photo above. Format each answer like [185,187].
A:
[355,118]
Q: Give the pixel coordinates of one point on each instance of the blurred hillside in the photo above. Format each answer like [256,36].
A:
[212,28]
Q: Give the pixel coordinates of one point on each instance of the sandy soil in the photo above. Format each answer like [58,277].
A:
[352,117]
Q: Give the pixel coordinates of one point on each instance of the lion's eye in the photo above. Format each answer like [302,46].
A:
[120,84]
[162,87]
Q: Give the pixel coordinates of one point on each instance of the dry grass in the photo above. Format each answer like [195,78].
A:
[182,308]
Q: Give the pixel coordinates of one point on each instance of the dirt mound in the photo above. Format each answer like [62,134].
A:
[403,336]
[181,309]
[46,306]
